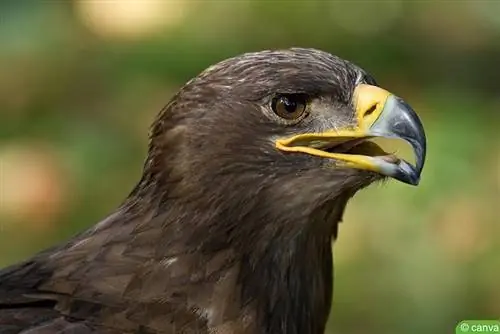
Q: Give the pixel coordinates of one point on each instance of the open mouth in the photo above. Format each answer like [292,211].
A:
[360,146]
[344,150]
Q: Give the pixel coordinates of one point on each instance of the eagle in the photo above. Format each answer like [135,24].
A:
[230,228]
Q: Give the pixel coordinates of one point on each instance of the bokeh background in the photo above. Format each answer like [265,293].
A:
[80,83]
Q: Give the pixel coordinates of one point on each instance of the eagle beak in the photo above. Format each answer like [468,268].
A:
[378,114]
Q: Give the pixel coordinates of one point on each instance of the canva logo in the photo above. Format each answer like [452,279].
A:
[478,326]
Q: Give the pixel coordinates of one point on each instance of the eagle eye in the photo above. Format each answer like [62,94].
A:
[289,106]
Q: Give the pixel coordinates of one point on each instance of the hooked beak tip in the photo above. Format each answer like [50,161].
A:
[399,120]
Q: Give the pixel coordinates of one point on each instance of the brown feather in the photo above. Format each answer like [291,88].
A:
[223,234]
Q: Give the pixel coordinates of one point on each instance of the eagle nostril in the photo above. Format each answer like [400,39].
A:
[370,110]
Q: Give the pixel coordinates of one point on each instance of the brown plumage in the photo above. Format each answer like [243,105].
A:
[225,232]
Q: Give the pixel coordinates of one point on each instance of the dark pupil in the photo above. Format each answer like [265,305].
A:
[290,105]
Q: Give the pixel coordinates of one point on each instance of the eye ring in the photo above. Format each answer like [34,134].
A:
[289,106]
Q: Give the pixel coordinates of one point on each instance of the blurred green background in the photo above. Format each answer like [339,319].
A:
[80,82]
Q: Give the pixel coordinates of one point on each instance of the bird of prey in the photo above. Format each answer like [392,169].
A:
[249,168]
